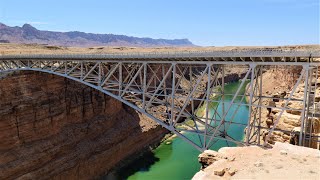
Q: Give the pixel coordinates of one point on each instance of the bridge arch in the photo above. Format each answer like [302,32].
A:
[170,88]
[99,88]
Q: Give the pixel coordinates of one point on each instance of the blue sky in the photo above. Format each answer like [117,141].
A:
[204,22]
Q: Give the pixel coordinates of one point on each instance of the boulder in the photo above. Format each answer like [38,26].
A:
[290,119]
[231,171]
[295,112]
[269,122]
[219,171]
[207,158]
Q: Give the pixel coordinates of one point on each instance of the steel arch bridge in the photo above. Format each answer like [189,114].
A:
[171,87]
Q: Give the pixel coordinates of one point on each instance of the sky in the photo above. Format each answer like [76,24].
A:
[204,22]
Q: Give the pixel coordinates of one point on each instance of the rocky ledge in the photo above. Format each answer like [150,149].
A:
[283,161]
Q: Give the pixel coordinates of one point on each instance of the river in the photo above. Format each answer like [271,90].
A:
[179,160]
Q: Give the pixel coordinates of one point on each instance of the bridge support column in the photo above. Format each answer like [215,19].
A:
[303,73]
[207,105]
[174,69]
[144,85]
[305,108]
[222,88]
[252,79]
[260,104]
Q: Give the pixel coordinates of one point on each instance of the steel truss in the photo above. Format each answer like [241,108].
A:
[178,94]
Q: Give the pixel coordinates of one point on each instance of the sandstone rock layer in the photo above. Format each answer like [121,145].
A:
[53,127]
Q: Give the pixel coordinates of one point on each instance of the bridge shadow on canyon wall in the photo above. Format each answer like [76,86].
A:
[53,127]
[141,163]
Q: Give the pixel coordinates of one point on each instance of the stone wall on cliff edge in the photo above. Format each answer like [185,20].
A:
[53,127]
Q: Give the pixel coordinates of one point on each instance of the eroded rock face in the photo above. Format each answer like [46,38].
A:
[52,127]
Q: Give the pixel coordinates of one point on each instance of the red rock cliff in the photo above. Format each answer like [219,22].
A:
[52,127]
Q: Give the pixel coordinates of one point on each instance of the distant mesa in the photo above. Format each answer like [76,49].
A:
[30,35]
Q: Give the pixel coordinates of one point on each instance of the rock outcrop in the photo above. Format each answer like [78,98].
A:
[288,127]
[53,127]
[283,161]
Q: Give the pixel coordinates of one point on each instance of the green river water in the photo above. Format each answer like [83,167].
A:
[179,160]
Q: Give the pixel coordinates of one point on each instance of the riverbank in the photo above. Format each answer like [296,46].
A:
[146,153]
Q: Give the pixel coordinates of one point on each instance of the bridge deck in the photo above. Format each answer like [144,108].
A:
[215,56]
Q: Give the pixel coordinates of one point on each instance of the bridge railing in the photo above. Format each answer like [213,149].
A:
[173,54]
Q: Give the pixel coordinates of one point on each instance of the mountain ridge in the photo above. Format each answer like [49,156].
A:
[28,34]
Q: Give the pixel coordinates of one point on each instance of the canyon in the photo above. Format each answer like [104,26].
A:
[52,127]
